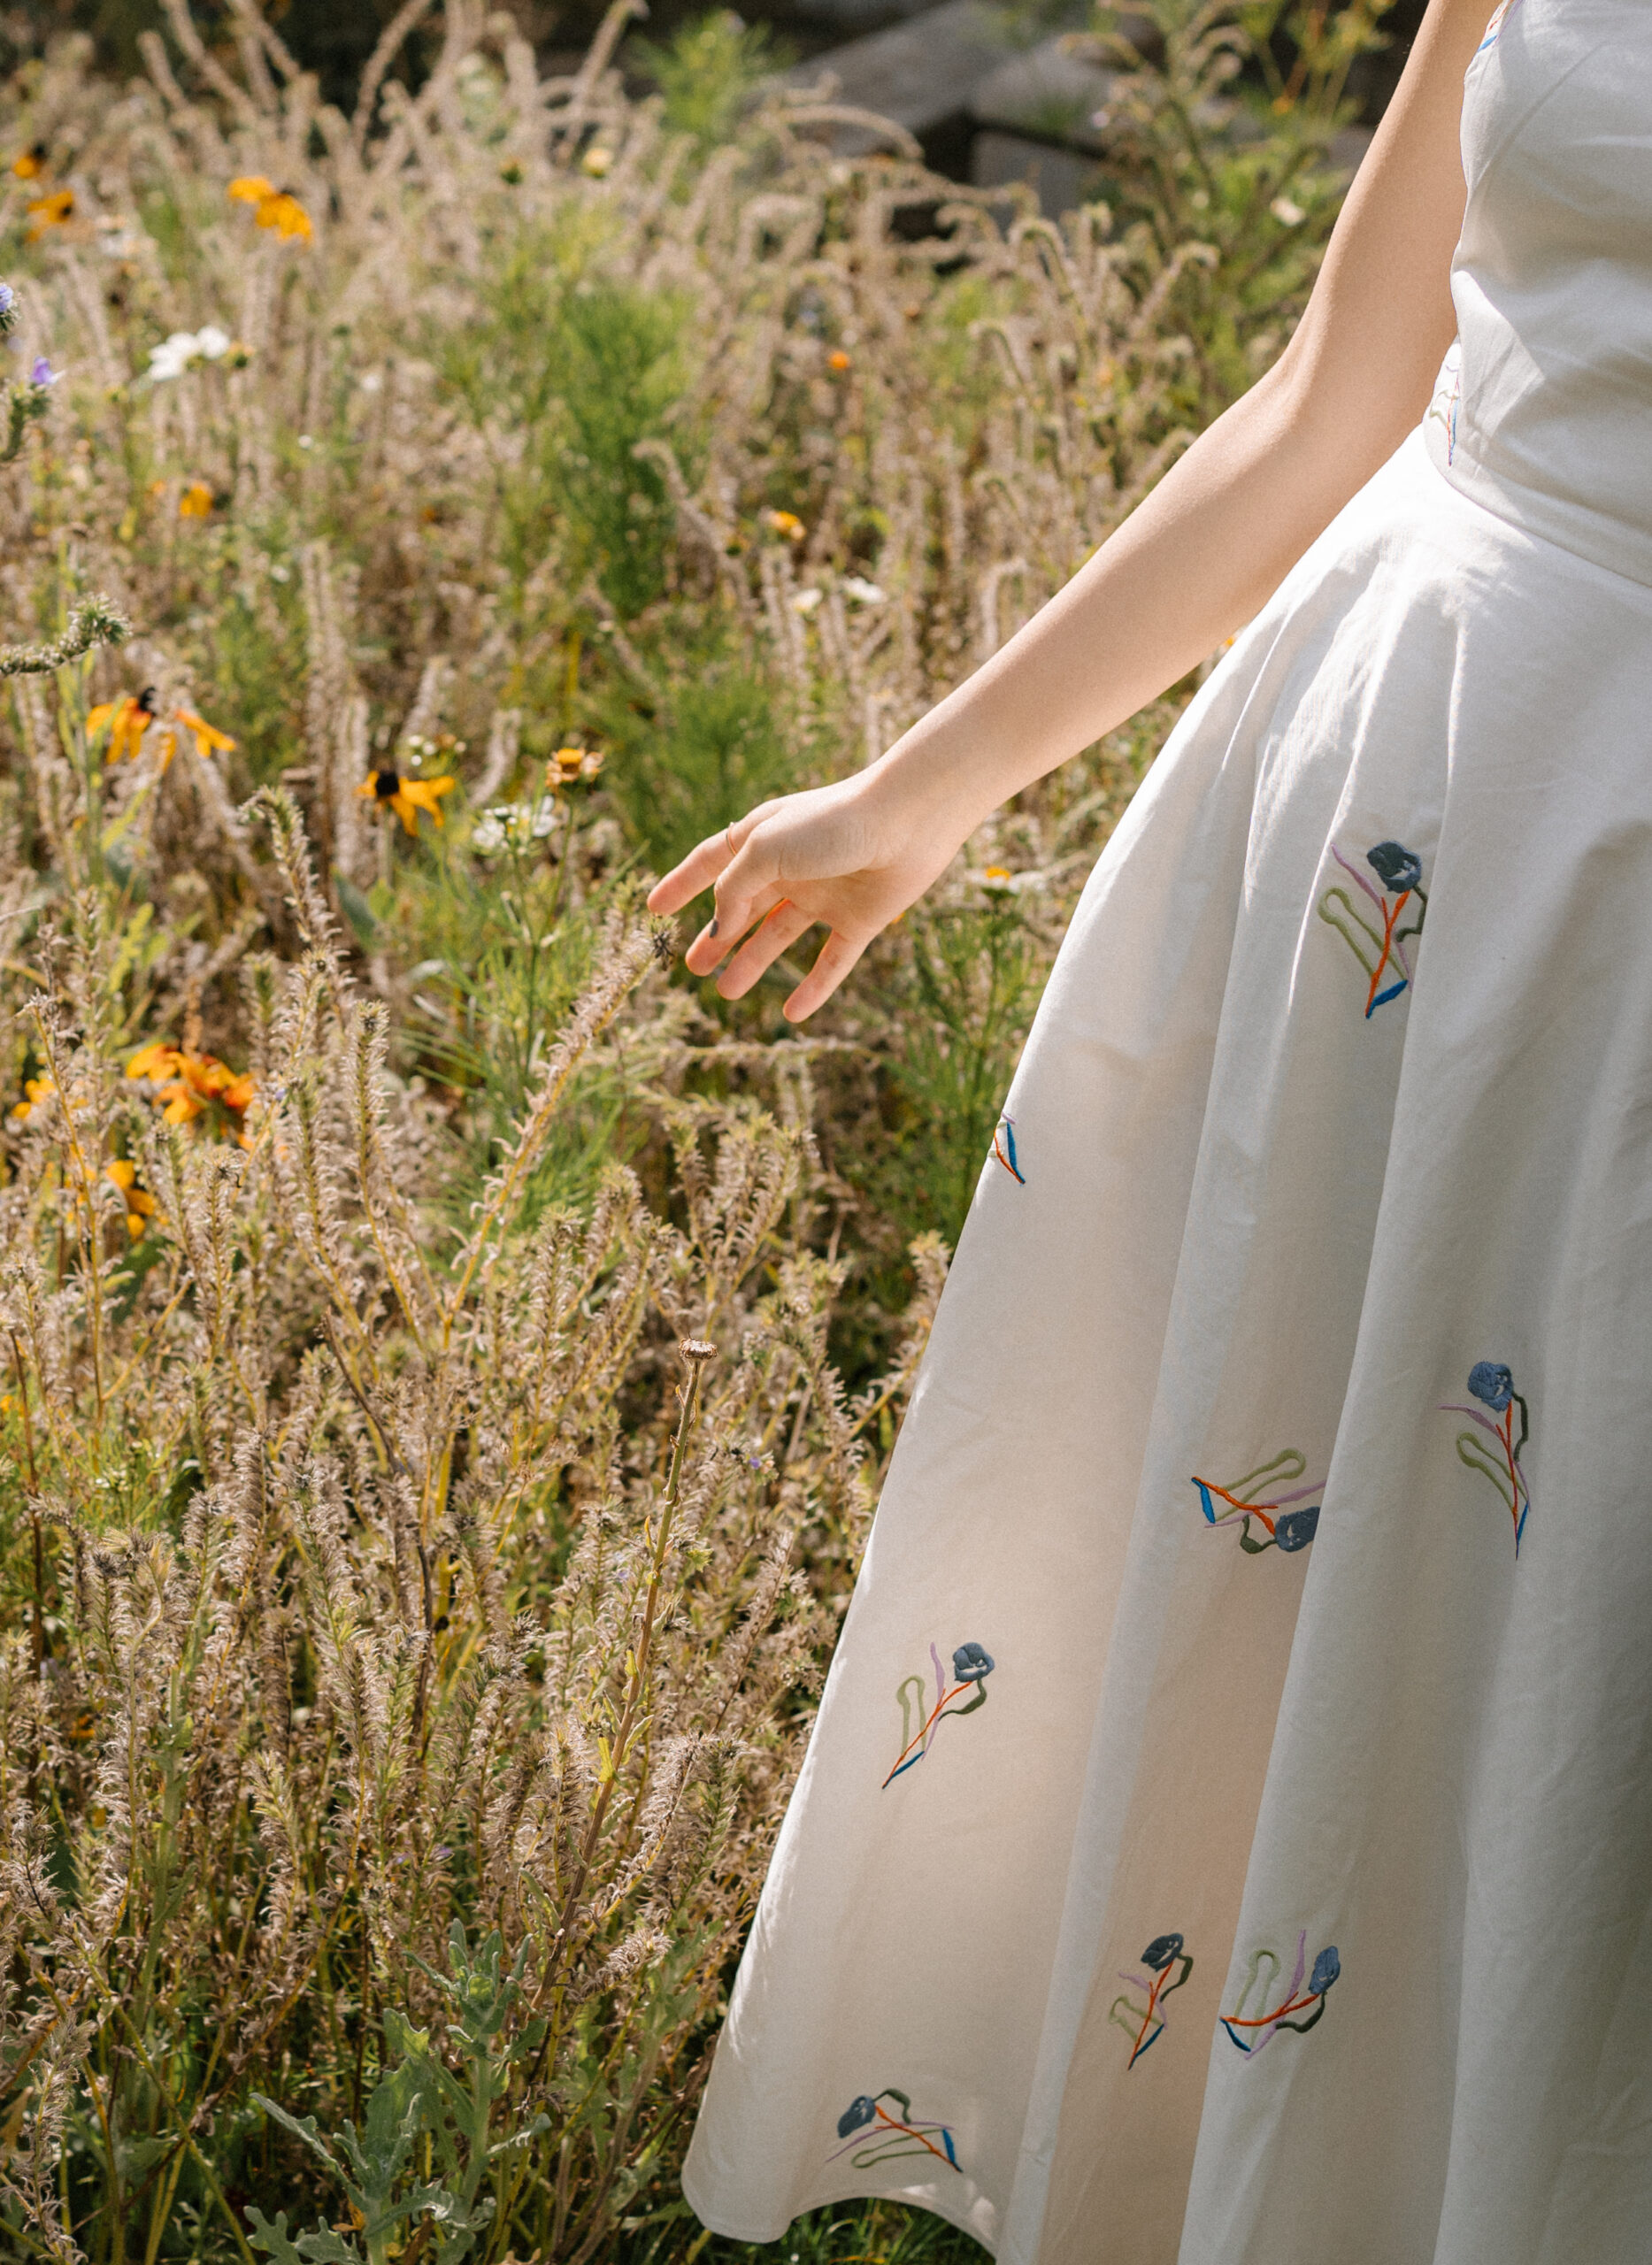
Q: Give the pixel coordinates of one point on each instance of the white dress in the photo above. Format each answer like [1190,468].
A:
[1227,1835]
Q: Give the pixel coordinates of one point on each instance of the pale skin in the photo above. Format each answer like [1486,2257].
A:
[1189,567]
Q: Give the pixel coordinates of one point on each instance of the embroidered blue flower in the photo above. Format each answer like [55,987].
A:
[856,2115]
[970,1664]
[1161,1951]
[1491,1382]
[1395,866]
[1297,1528]
[1327,1966]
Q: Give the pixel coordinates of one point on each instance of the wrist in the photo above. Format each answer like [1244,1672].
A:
[938,781]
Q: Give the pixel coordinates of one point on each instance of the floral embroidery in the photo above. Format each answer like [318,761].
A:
[1496,26]
[1297,1520]
[1381,953]
[1261,2028]
[1144,2026]
[971,1665]
[886,2138]
[1492,1384]
[1003,1149]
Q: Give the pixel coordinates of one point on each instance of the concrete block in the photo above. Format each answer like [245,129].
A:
[1046,95]
[1060,177]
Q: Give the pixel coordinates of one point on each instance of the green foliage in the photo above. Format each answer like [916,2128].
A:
[419,2111]
[709,75]
[1220,151]
[977,972]
[698,750]
[565,370]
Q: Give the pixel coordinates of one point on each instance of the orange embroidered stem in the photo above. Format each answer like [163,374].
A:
[945,1700]
[1390,918]
[906,2132]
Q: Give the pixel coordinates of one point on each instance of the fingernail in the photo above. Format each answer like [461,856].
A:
[713,928]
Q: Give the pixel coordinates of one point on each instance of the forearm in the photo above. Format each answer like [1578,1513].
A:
[1190,566]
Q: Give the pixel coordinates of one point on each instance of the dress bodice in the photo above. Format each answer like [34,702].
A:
[1546,414]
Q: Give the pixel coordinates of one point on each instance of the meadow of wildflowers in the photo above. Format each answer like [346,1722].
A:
[447,1358]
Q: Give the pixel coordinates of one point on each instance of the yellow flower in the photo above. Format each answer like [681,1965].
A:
[571,762]
[195,503]
[597,161]
[272,208]
[38,1090]
[187,1081]
[207,737]
[127,720]
[53,211]
[406,796]
[786,522]
[32,164]
[139,1203]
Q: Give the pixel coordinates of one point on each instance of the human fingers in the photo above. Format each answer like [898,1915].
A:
[697,872]
[833,963]
[705,861]
[719,936]
[749,884]
[779,931]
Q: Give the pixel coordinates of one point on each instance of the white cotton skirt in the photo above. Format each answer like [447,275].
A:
[1228,1834]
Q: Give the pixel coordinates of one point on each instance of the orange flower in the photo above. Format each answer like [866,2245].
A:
[195,503]
[572,762]
[272,208]
[839,361]
[139,1203]
[127,720]
[38,1090]
[32,164]
[406,796]
[786,522]
[52,211]
[187,1081]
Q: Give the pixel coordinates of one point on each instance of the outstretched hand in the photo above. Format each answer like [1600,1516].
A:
[850,857]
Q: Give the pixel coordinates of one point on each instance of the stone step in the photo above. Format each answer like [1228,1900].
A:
[985,106]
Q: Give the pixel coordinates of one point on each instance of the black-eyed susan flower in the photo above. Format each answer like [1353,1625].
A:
[129,720]
[272,208]
[32,163]
[786,524]
[390,789]
[185,1082]
[139,1203]
[55,209]
[195,503]
[126,720]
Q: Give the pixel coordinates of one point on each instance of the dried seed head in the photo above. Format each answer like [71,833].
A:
[695,1349]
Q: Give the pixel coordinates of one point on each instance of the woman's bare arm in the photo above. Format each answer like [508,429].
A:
[1195,561]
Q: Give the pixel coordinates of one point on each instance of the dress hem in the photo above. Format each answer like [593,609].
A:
[726,2230]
